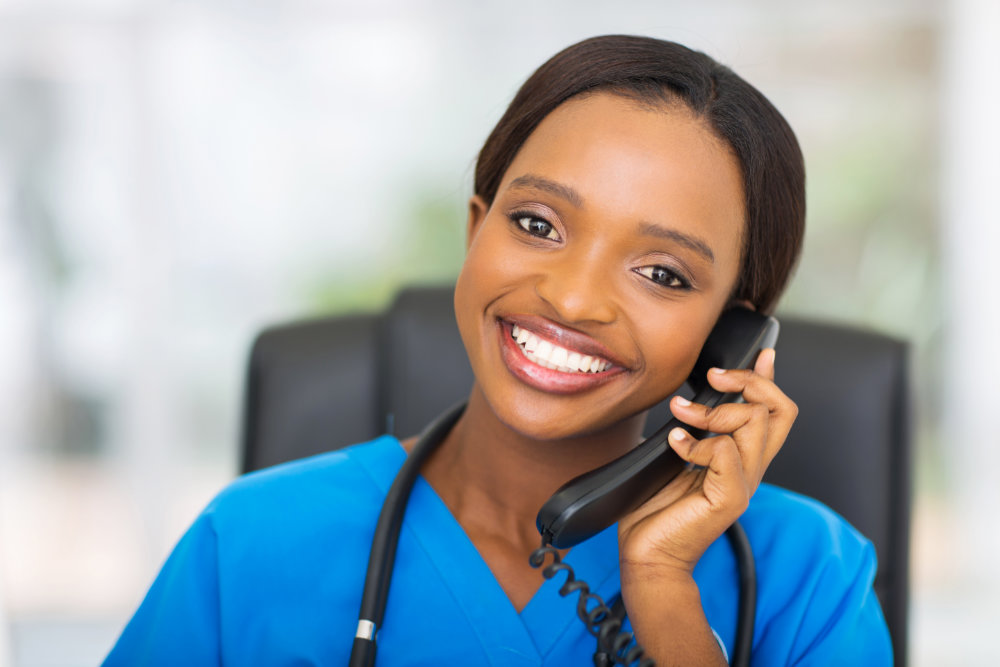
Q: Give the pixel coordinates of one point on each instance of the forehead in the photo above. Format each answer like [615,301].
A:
[649,163]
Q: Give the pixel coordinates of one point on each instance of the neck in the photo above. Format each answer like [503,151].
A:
[494,479]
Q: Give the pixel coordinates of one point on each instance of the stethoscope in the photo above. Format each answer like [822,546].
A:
[382,558]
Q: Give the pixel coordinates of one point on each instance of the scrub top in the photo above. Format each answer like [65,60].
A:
[271,573]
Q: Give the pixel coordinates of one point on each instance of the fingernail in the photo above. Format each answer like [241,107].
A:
[681,401]
[678,435]
[718,371]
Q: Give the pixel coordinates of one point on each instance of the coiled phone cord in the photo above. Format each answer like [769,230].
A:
[615,647]
[596,615]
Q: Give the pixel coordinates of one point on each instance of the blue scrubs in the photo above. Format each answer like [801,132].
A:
[271,574]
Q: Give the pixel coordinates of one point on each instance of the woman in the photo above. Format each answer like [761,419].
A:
[632,192]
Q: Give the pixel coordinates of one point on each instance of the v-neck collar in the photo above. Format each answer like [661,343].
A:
[530,632]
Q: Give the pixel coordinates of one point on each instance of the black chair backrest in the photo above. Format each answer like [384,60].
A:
[318,385]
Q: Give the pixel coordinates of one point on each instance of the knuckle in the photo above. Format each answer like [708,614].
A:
[742,503]
[724,443]
[744,378]
[715,417]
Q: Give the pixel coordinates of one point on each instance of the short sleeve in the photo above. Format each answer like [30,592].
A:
[843,624]
[816,604]
[178,621]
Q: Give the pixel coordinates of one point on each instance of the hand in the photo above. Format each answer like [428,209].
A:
[667,535]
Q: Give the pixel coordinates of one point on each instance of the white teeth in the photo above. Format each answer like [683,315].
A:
[525,339]
[545,353]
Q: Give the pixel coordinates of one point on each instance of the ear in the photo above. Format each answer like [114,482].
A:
[478,208]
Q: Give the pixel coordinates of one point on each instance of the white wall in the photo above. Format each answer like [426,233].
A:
[963,608]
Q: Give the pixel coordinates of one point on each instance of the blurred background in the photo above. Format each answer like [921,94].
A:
[175,175]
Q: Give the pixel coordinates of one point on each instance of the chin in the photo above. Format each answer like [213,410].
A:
[554,423]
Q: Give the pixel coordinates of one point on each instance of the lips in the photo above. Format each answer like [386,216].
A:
[553,359]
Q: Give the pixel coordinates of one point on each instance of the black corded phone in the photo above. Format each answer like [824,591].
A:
[588,504]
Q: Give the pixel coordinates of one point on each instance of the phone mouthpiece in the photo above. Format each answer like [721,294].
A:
[593,501]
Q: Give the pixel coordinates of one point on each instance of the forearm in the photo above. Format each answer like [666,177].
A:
[669,621]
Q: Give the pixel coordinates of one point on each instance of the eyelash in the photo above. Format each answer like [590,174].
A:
[672,279]
[517,217]
[669,278]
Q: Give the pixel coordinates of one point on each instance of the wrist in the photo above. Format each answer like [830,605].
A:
[675,581]
[656,568]
[668,619]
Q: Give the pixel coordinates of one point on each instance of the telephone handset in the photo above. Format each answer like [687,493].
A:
[588,504]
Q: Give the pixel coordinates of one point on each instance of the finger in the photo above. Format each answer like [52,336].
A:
[757,427]
[723,418]
[748,424]
[724,480]
[756,388]
[716,456]
[764,365]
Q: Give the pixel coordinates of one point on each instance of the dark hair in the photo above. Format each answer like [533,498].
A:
[653,71]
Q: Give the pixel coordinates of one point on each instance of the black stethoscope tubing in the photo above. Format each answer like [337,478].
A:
[382,558]
[390,521]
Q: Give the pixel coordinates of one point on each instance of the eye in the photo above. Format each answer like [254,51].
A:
[536,226]
[662,275]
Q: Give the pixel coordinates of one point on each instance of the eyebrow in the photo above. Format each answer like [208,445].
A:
[686,240]
[647,228]
[540,183]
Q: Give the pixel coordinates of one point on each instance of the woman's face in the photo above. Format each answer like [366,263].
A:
[593,279]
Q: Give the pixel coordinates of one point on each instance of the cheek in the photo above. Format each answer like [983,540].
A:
[491,265]
[483,274]
[464,288]
[673,344]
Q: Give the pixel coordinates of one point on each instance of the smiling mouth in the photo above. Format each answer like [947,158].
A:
[549,355]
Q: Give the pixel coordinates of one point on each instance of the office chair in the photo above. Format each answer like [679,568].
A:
[318,385]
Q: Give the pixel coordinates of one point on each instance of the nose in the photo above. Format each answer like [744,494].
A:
[579,287]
